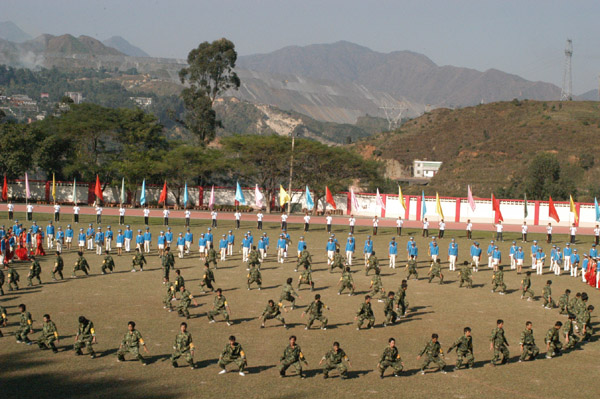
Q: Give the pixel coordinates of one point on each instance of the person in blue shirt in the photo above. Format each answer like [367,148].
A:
[556,260]
[250,237]
[408,245]
[161,241]
[266,240]
[139,241]
[452,255]
[230,243]
[147,240]
[90,237]
[15,226]
[69,235]
[223,247]
[540,258]
[575,259]
[567,252]
[511,255]
[50,235]
[181,245]
[281,244]
[202,246]
[593,252]
[189,239]
[520,259]
[288,240]
[490,252]
[168,237]
[434,251]
[368,250]
[534,251]
[246,244]
[413,252]
[350,247]
[301,245]
[99,240]
[209,239]
[108,238]
[393,252]
[584,266]
[330,249]
[120,242]
[496,258]
[60,239]
[475,256]
[128,238]
[261,248]
[81,240]
[431,245]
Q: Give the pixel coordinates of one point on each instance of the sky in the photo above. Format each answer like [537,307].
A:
[524,37]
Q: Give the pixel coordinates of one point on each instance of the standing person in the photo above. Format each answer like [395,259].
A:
[50,235]
[59,265]
[288,293]
[575,263]
[351,223]
[388,309]
[433,351]
[490,253]
[330,249]
[213,216]
[223,247]
[128,237]
[375,224]
[281,243]
[138,260]
[202,246]
[519,259]
[499,344]
[147,240]
[334,359]
[166,214]
[499,230]
[315,312]
[56,213]
[442,228]
[209,240]
[35,271]
[597,235]
[98,214]
[49,335]
[526,287]
[29,212]
[534,250]
[11,210]
[121,215]
[328,220]
[553,344]
[540,259]
[292,356]
[306,222]
[393,252]
[346,282]
[284,218]
[465,275]
[475,256]
[187,215]
[469,230]
[99,240]
[76,210]
[208,278]
[146,215]
[185,302]
[180,245]
[233,353]
[69,234]
[60,238]
[435,270]
[527,342]
[120,241]
[238,218]
[184,346]
[496,258]
[220,306]
[108,238]
[399,223]
[524,229]
[368,250]
[549,233]
[365,312]
[90,233]
[511,255]
[390,358]
[498,280]
[169,237]
[259,220]
[572,233]
[350,247]
[452,255]
[425,228]
[464,350]
[86,335]
[189,239]
[230,243]
[246,248]
[547,296]
[25,325]
[567,252]
[81,240]
[131,344]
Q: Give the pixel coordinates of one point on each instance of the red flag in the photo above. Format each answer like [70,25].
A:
[552,211]
[496,208]
[163,194]
[5,190]
[98,189]
[329,198]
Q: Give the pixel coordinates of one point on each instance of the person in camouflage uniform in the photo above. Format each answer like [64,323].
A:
[108,263]
[365,312]
[185,302]
[435,270]
[527,343]
[547,295]
[138,260]
[86,336]
[346,282]
[34,272]
[390,358]
[305,259]
[334,359]
[220,306]
[3,319]
[25,326]
[411,266]
[498,280]
[59,265]
[585,324]
[288,293]
[254,276]
[434,353]
[338,262]
[563,302]
[499,344]
[574,303]
[553,344]
[292,356]
[212,257]
[167,263]
[183,346]
[272,311]
[208,278]
[315,312]
[131,344]
[13,277]
[401,301]
[465,275]
[179,280]
[306,278]
[233,353]
[388,309]
[571,339]
[464,348]
[81,264]
[373,264]
[526,287]
[169,296]
[49,335]
[580,308]
[376,286]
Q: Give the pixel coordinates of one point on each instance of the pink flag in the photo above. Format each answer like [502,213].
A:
[379,201]
[258,197]
[211,201]
[353,200]
[470,198]
[27,192]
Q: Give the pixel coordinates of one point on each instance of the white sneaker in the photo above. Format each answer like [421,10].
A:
[222,371]
[242,373]
[132,270]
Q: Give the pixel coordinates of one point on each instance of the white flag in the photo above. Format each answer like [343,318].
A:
[379,201]
[353,200]
[258,197]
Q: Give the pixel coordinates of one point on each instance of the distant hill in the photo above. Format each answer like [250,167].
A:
[591,95]
[490,146]
[11,32]
[119,43]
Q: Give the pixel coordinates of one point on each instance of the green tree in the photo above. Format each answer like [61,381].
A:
[544,178]
[16,142]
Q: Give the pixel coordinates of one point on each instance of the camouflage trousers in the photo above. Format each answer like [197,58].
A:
[467,281]
[47,341]
[286,363]
[500,350]
[84,341]
[30,278]
[276,317]
[332,366]
[549,302]
[134,350]
[573,341]
[361,319]
[433,359]
[215,312]
[320,317]
[500,284]
[527,293]
[167,301]
[396,365]
[465,357]
[287,297]
[22,334]
[182,309]
[403,305]
[187,355]
[390,317]
[377,289]
[411,272]
[530,351]
[254,280]
[241,363]
[438,275]
[346,285]
[554,348]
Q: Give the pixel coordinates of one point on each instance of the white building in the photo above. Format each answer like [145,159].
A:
[425,169]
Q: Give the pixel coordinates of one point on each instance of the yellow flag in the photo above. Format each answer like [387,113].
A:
[401,198]
[574,209]
[284,197]
[438,206]
[53,187]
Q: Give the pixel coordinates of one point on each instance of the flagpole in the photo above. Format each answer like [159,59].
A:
[291,174]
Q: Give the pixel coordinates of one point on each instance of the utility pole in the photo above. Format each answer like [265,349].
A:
[566,93]
[393,114]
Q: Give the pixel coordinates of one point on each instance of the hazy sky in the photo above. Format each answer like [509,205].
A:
[522,37]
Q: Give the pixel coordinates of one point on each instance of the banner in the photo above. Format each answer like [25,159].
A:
[310,204]
[470,198]
[438,205]
[258,197]
[239,195]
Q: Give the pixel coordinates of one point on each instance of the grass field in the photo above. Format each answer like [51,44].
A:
[111,301]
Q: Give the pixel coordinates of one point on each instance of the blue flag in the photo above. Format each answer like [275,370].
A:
[309,201]
[597,210]
[423,206]
[239,195]
[143,194]
[185,196]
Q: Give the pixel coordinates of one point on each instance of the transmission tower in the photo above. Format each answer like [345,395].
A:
[393,114]
[566,93]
